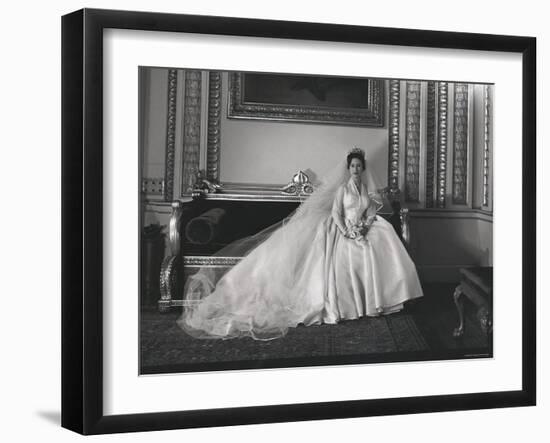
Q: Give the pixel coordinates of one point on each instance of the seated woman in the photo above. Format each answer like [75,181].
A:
[333,260]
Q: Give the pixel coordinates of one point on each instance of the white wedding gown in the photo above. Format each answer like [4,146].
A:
[306,272]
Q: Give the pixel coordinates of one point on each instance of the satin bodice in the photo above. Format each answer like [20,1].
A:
[354,202]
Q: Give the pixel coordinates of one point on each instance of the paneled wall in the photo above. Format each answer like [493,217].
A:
[440,157]
[434,151]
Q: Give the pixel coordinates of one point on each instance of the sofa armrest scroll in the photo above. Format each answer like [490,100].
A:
[181,214]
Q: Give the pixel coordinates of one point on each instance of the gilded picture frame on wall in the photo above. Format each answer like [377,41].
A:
[109,189]
[312,99]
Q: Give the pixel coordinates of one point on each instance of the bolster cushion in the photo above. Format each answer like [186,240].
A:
[206,227]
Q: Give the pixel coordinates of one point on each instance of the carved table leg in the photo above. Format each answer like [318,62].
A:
[459,302]
[485,319]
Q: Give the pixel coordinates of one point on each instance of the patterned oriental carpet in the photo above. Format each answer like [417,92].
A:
[166,348]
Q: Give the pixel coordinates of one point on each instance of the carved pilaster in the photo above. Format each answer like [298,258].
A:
[214,132]
[191,128]
[442,127]
[412,143]
[430,145]
[170,135]
[486,146]
[460,144]
[393,128]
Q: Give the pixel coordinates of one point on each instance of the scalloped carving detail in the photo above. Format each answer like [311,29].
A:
[460,144]
[430,145]
[442,128]
[412,143]
[191,128]
[214,126]
[393,129]
[170,135]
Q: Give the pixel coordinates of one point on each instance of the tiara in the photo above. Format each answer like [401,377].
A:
[357,151]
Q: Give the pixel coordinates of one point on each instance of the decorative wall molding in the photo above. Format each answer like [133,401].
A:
[451,214]
[460,144]
[170,135]
[191,129]
[442,128]
[430,145]
[153,186]
[486,144]
[393,129]
[214,126]
[412,143]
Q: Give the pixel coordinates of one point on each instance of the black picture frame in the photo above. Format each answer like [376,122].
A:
[82,230]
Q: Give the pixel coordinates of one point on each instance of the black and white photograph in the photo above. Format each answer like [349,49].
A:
[275,221]
[292,220]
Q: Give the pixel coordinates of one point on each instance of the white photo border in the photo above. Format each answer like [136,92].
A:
[125,392]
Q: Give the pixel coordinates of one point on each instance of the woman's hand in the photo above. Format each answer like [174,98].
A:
[370,220]
[359,231]
[348,233]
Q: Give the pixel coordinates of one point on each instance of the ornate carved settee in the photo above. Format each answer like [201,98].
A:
[214,217]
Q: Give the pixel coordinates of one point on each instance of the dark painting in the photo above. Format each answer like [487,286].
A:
[303,98]
[297,90]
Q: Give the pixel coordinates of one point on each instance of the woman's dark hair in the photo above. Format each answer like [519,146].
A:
[357,155]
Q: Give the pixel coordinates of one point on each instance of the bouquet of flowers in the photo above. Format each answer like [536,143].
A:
[359,231]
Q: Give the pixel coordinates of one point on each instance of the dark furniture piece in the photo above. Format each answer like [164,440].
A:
[151,255]
[477,285]
[225,217]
